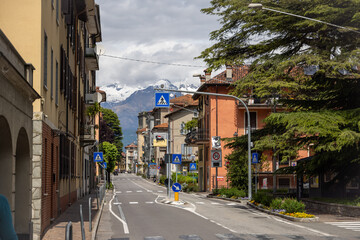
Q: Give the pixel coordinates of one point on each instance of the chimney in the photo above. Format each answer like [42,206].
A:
[228,73]
[207,74]
[202,79]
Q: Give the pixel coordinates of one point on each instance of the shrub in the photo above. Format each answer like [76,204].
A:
[190,188]
[162,179]
[276,203]
[230,192]
[263,198]
[292,205]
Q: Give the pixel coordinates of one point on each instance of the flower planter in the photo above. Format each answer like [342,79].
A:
[294,219]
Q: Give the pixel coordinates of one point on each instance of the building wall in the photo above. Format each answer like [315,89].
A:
[16,126]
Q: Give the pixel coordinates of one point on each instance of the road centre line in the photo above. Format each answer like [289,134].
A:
[125,226]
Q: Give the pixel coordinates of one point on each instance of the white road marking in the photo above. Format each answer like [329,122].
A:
[133,202]
[129,191]
[199,202]
[125,226]
[215,203]
[139,191]
[354,226]
[160,191]
[117,203]
[231,204]
[299,226]
[118,192]
[149,202]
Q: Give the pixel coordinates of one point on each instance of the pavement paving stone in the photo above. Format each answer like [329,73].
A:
[56,231]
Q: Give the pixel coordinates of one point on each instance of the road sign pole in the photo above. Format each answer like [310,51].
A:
[248,117]
[216,178]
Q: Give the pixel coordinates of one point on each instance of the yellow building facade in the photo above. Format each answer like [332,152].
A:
[59,38]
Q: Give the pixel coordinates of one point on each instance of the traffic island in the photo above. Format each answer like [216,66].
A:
[294,219]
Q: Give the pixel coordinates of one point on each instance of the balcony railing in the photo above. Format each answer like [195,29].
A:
[87,134]
[91,58]
[197,136]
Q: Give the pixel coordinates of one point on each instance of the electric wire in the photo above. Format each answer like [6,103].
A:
[153,62]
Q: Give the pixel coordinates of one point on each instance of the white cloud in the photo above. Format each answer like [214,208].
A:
[168,31]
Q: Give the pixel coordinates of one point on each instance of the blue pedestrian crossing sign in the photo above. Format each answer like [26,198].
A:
[176,159]
[255,158]
[192,167]
[176,187]
[98,156]
[162,99]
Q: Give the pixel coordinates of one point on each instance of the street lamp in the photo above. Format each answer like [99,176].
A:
[260,6]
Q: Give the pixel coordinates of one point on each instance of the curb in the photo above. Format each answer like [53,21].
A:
[97,220]
[227,199]
[294,219]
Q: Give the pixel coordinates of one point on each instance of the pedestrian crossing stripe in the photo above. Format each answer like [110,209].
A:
[162,101]
[354,226]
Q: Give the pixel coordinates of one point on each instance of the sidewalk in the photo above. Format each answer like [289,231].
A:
[56,231]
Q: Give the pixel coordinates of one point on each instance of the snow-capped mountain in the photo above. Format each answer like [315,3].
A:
[127,102]
[116,93]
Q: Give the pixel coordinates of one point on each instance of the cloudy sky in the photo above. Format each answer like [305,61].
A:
[167,31]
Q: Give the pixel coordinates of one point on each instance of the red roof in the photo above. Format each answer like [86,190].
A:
[238,72]
[185,100]
[131,146]
[141,130]
[163,125]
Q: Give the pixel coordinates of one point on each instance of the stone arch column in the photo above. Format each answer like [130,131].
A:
[6,160]
[22,183]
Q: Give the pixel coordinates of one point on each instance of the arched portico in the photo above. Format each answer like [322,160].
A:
[22,183]
[6,159]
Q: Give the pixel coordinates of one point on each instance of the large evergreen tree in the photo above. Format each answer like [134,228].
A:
[306,66]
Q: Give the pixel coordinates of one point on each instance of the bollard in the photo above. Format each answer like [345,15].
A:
[82,224]
[97,198]
[176,196]
[90,223]
[68,231]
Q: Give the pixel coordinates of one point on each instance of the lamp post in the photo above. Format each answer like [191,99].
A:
[249,130]
[260,6]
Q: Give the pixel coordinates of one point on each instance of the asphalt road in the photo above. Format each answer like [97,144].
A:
[138,209]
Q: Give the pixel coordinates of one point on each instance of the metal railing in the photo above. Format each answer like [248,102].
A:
[195,135]
[69,231]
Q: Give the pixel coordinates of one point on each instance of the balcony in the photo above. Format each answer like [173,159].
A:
[91,58]
[87,135]
[197,136]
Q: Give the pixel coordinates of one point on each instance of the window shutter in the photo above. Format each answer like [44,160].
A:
[65,4]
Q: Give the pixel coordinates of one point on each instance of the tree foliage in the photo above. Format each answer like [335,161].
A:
[113,122]
[306,67]
[110,153]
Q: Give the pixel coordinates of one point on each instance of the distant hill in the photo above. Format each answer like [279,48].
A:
[127,104]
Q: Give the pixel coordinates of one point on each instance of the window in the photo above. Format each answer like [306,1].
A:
[253,120]
[45,60]
[52,73]
[56,83]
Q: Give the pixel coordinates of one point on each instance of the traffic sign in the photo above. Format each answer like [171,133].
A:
[255,158]
[176,159]
[162,99]
[193,167]
[98,156]
[176,187]
[216,160]
[103,165]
